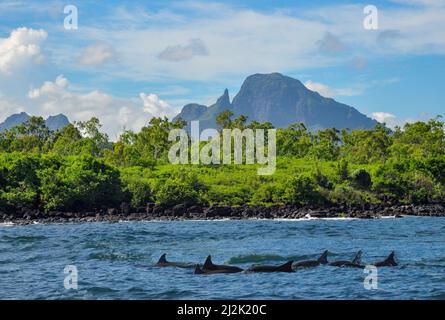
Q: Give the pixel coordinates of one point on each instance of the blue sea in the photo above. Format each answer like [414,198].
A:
[115,260]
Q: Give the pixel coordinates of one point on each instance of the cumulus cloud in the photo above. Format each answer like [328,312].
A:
[116,114]
[383,117]
[23,46]
[96,54]
[155,106]
[393,121]
[195,47]
[50,88]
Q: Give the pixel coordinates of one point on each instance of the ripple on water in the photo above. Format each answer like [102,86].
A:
[23,239]
[116,256]
[115,261]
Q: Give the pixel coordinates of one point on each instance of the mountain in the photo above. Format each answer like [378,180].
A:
[282,101]
[14,120]
[54,123]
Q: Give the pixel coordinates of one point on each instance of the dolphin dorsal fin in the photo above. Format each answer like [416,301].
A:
[287,267]
[358,258]
[324,257]
[390,259]
[163,259]
[198,269]
[208,263]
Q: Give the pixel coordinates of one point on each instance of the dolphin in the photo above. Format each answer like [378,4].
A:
[355,263]
[388,262]
[312,263]
[199,270]
[164,263]
[287,267]
[209,266]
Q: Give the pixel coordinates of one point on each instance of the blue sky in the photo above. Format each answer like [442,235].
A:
[129,61]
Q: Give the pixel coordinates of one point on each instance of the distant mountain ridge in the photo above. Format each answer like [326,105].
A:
[282,101]
[54,123]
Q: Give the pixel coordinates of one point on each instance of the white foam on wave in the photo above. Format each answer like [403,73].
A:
[6,224]
[313,218]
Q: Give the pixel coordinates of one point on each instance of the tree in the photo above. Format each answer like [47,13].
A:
[366,146]
[419,140]
[31,136]
[181,188]
[80,183]
[300,189]
[152,141]
[224,120]
[361,179]
[19,187]
[66,141]
[295,140]
[342,170]
[91,131]
[326,145]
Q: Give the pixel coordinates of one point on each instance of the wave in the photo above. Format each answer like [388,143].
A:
[116,256]
[24,239]
[252,258]
[257,258]
[7,224]
[100,290]
[308,218]
[439,296]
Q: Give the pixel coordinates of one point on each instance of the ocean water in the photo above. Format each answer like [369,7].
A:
[115,260]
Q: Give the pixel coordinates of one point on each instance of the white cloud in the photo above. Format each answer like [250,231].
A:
[393,121]
[328,92]
[20,48]
[232,42]
[116,114]
[50,88]
[8,107]
[383,117]
[96,54]
[195,47]
[322,89]
[156,107]
[353,90]
[237,41]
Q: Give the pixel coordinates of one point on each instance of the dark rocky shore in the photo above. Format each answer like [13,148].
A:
[195,212]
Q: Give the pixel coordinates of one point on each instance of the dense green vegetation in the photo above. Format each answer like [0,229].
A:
[78,168]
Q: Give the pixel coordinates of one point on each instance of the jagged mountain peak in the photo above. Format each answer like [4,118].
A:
[283,100]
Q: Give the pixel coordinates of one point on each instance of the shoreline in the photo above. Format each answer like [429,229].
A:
[183,212]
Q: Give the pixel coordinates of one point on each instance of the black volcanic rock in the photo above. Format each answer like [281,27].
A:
[282,101]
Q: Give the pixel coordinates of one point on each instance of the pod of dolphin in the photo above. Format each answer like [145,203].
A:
[210,268]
